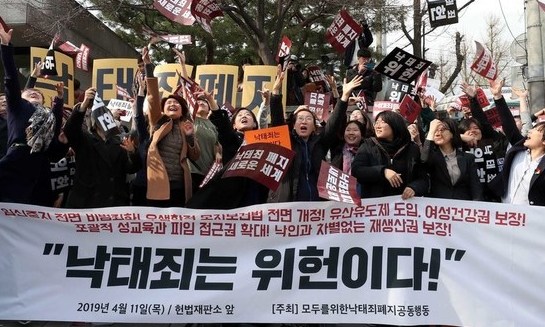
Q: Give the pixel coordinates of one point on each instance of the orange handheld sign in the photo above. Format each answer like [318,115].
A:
[279,135]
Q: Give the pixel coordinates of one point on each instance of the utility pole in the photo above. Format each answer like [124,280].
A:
[536,69]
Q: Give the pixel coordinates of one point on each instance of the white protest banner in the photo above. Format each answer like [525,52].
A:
[177,39]
[125,108]
[417,262]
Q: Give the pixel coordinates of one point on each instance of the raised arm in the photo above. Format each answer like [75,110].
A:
[524,112]
[508,122]
[73,127]
[337,120]
[36,72]
[477,112]
[154,100]
[13,91]
[264,109]
[139,120]
[277,110]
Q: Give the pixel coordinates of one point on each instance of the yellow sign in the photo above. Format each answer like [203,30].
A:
[107,73]
[222,79]
[255,79]
[167,77]
[65,69]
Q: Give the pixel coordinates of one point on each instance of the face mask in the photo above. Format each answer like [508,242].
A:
[370,65]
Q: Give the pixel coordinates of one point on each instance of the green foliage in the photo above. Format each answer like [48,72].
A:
[249,29]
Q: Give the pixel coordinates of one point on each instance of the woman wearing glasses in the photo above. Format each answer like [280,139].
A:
[389,164]
[453,173]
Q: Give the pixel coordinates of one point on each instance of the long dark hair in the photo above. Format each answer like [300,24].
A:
[398,124]
[451,125]
[235,114]
[360,126]
[465,123]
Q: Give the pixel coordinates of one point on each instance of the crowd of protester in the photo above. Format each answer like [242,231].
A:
[163,160]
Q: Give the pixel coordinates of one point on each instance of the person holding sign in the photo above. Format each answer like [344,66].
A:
[453,173]
[354,132]
[32,136]
[230,132]
[300,183]
[481,139]
[103,159]
[205,132]
[522,180]
[242,191]
[389,163]
[372,80]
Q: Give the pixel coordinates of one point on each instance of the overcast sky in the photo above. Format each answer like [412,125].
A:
[472,23]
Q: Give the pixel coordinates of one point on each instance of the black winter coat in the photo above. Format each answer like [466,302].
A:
[101,168]
[467,187]
[371,161]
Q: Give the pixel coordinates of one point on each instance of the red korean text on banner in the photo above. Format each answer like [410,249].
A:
[284,49]
[265,163]
[318,103]
[493,117]
[342,31]
[176,11]
[204,11]
[480,96]
[334,184]
[484,64]
[409,108]
[82,58]
[279,135]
